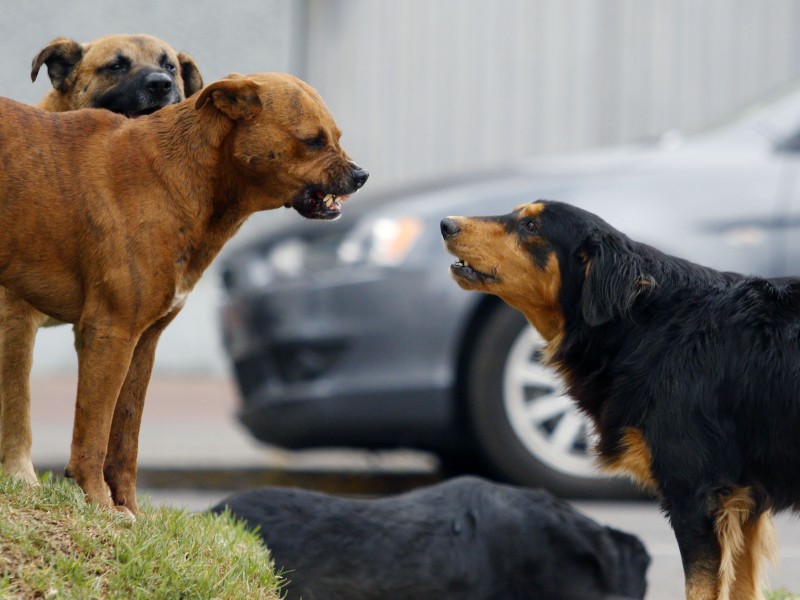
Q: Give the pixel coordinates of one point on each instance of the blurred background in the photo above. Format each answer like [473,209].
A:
[424,89]
[675,120]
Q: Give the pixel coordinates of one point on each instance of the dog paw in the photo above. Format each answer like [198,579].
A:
[21,470]
[125,512]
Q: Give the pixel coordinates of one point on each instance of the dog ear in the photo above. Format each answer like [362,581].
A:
[61,55]
[192,80]
[237,98]
[615,278]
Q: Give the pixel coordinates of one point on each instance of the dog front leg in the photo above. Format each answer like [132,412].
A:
[693,525]
[123,443]
[104,356]
[18,324]
[701,573]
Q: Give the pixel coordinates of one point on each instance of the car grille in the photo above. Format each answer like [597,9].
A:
[252,373]
[290,363]
[304,362]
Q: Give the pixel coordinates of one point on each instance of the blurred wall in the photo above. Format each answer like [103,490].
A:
[429,87]
[243,35]
[423,87]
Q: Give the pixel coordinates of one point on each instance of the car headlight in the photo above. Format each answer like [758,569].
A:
[260,267]
[284,260]
[384,241]
[287,258]
[294,256]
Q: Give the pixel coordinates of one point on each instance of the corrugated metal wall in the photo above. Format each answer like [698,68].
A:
[424,87]
[259,35]
[253,35]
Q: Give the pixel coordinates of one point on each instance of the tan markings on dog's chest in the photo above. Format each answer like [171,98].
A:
[634,459]
[178,299]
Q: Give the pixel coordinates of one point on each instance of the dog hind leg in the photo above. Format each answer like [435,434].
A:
[18,324]
[723,536]
[760,545]
[120,464]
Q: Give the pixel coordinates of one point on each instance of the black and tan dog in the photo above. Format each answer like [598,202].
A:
[466,538]
[115,251]
[690,375]
[129,74]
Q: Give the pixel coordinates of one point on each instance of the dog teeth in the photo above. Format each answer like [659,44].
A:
[330,199]
[465,263]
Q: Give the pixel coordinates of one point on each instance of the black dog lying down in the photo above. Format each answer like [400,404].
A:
[465,539]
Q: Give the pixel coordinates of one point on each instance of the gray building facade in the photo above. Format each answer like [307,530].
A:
[423,88]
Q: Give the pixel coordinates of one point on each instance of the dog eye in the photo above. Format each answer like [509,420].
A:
[117,67]
[315,143]
[530,226]
[169,67]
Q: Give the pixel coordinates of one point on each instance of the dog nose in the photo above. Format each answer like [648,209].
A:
[449,228]
[359,176]
[158,84]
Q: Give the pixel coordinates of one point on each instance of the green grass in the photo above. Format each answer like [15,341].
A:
[781,594]
[55,546]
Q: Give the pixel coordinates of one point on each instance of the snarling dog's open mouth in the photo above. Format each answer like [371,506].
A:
[314,203]
[462,270]
[465,274]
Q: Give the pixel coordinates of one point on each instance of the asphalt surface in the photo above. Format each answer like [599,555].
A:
[193,453]
[190,438]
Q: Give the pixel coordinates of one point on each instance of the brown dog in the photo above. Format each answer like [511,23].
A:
[116,250]
[130,74]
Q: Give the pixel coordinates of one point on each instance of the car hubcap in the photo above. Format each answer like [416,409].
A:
[544,419]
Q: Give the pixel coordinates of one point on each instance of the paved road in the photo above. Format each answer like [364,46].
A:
[665,577]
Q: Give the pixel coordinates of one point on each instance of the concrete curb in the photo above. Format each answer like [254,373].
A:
[229,479]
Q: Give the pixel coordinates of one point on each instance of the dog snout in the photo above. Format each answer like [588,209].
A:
[359,176]
[158,84]
[449,228]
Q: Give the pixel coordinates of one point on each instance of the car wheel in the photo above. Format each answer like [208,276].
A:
[526,428]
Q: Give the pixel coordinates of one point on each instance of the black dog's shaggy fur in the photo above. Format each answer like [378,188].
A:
[463,539]
[690,375]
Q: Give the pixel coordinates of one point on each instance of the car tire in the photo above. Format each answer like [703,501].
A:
[526,430]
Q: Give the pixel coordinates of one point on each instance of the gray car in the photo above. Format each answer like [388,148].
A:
[353,334]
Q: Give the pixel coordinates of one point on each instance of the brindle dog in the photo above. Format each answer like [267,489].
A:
[116,251]
[129,74]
